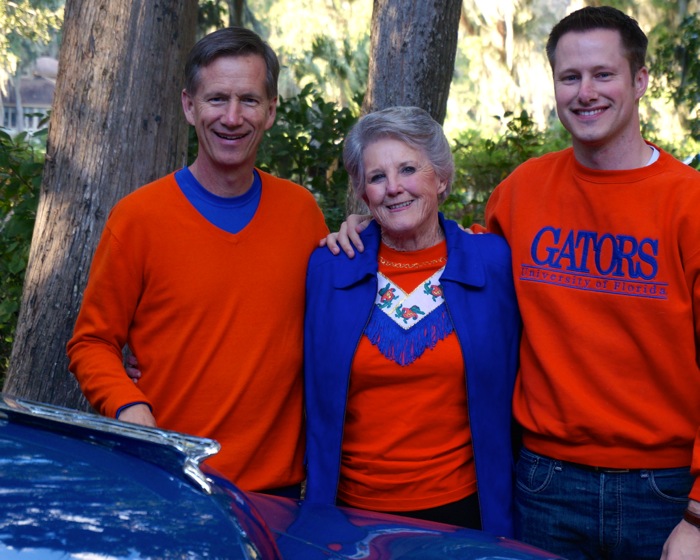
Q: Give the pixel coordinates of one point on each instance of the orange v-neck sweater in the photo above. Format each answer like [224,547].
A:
[215,320]
[406,441]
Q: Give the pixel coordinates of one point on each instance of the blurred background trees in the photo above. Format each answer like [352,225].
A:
[500,109]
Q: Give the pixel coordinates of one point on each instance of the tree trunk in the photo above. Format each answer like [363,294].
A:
[412,54]
[116,124]
[236,10]
[411,61]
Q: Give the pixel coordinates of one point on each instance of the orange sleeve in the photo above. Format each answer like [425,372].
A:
[101,330]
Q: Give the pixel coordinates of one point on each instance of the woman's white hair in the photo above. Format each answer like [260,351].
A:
[410,125]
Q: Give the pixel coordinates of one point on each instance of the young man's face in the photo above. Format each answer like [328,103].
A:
[597,97]
[230,112]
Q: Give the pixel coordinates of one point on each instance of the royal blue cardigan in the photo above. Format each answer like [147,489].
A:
[480,297]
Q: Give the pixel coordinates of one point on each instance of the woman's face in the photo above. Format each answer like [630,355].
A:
[401,190]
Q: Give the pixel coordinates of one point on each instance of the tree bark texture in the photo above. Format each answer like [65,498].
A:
[116,124]
[412,54]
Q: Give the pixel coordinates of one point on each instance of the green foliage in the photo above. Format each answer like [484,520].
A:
[21,166]
[676,62]
[211,14]
[340,67]
[481,163]
[686,148]
[305,146]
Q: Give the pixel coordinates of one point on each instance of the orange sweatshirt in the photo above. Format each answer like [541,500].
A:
[607,272]
[215,320]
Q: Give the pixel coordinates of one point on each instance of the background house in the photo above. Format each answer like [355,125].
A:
[29,96]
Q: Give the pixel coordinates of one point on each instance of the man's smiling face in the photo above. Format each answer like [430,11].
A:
[597,96]
[230,111]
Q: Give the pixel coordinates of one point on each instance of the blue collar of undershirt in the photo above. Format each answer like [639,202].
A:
[231,214]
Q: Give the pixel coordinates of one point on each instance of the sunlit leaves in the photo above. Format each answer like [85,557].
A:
[21,21]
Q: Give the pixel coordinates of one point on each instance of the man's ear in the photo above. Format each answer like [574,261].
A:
[187,106]
[641,82]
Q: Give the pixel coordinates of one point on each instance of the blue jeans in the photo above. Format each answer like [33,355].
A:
[580,513]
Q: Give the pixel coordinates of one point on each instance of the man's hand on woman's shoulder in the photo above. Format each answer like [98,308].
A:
[348,237]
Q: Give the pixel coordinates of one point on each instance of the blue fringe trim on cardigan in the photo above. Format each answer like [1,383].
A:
[405,346]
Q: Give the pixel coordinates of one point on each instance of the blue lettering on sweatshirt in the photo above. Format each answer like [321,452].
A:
[593,261]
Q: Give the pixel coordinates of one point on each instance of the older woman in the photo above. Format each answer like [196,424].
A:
[411,347]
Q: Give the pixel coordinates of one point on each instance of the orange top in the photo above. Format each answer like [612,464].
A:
[215,320]
[406,442]
[607,274]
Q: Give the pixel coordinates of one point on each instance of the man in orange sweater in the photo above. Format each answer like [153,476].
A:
[196,273]
[605,239]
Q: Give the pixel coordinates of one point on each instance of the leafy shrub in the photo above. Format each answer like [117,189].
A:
[481,163]
[21,166]
[675,63]
[305,146]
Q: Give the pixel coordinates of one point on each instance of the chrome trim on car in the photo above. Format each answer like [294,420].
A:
[179,454]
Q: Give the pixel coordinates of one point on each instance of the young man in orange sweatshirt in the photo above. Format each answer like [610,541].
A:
[606,254]
[605,238]
[196,273]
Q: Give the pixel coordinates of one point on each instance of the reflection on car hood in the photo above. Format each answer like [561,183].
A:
[79,486]
[86,487]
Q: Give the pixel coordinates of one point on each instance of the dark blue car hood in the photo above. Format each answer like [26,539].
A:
[78,492]
[79,486]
